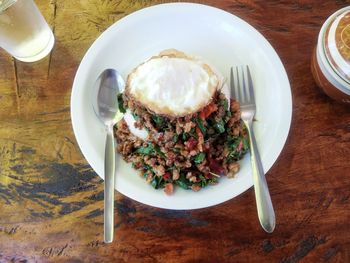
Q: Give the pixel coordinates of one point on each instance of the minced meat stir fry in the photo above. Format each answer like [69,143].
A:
[190,152]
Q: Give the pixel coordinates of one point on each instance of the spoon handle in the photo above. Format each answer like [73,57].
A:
[109,187]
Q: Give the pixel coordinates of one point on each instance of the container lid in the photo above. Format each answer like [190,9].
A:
[336,44]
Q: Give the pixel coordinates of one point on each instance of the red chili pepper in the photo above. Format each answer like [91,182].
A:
[202,115]
[166,176]
[161,136]
[215,166]
[208,176]
[209,109]
[191,143]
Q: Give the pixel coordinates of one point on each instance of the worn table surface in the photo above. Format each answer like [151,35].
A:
[51,200]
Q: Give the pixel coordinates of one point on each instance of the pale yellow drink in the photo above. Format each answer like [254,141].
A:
[24,32]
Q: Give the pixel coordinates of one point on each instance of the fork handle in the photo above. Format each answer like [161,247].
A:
[264,206]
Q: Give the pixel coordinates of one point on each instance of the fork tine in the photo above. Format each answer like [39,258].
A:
[250,86]
[232,85]
[240,95]
[244,86]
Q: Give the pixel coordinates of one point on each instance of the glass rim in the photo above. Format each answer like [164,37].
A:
[5,4]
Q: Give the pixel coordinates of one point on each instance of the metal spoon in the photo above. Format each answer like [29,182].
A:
[105,103]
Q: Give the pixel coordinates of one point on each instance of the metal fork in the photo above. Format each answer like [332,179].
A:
[242,90]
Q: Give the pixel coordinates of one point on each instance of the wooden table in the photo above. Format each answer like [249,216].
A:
[51,201]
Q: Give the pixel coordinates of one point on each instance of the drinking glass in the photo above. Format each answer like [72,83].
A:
[24,32]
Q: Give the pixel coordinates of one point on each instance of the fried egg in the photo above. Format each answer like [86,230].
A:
[173,84]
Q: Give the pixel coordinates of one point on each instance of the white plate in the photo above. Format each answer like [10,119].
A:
[216,36]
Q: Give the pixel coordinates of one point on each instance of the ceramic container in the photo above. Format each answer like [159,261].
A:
[330,63]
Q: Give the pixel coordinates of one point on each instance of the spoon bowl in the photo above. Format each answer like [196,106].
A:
[105,96]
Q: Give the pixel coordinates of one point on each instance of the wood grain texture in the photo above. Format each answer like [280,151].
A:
[51,201]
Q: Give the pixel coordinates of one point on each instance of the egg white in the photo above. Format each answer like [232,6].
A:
[173,86]
[130,121]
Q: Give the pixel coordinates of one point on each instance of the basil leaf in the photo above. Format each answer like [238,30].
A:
[157,149]
[185,136]
[176,150]
[150,149]
[199,158]
[193,133]
[183,182]
[202,177]
[171,168]
[148,168]
[161,182]
[213,181]
[175,138]
[233,143]
[145,150]
[224,102]
[220,126]
[245,143]
[159,121]
[204,181]
[121,103]
[200,125]
[226,107]
[155,182]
